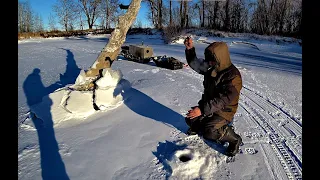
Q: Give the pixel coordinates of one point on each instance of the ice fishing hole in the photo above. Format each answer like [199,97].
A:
[185,157]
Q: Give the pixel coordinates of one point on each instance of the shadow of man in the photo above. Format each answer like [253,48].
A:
[72,70]
[144,105]
[35,90]
[51,162]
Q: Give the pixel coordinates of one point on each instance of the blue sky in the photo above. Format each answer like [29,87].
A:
[44,8]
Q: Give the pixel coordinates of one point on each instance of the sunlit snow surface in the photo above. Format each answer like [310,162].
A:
[140,132]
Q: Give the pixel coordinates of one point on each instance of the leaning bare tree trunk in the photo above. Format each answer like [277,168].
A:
[112,49]
[118,36]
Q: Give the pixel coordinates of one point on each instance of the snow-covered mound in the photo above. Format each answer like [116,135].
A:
[188,158]
[110,79]
[108,93]
[66,103]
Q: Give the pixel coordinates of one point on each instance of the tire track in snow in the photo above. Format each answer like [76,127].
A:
[289,132]
[271,104]
[274,163]
[267,161]
[277,146]
[286,153]
[258,124]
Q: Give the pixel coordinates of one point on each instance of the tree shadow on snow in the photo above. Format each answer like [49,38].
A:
[145,106]
[51,162]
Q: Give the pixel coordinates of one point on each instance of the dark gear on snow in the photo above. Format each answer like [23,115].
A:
[168,62]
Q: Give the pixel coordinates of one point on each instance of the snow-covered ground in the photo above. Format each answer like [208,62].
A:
[142,135]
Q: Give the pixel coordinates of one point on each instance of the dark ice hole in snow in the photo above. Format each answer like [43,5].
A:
[185,157]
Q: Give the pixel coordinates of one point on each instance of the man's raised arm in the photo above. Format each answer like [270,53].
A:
[198,65]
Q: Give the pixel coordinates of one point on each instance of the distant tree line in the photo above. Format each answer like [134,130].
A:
[281,17]
[28,21]
[70,14]
[270,17]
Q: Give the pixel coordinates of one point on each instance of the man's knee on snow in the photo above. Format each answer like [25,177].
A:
[211,134]
[188,121]
[194,124]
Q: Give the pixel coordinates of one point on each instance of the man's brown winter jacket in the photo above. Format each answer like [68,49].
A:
[221,86]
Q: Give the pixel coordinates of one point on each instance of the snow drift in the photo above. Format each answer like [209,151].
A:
[67,103]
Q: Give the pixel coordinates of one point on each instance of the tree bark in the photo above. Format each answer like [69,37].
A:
[227,18]
[160,14]
[202,24]
[185,17]
[170,13]
[107,14]
[282,17]
[199,14]
[216,7]
[118,37]
[181,15]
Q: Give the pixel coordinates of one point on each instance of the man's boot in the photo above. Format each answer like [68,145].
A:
[233,139]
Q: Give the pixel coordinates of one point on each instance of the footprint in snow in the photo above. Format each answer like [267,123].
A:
[155,70]
[171,79]
[176,102]
[65,150]
[250,151]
